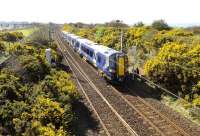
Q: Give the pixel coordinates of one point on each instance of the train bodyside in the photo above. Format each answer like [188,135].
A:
[111,63]
[88,52]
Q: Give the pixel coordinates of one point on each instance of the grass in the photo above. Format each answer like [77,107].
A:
[181,107]
[26,31]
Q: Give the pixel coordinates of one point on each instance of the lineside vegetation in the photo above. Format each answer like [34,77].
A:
[168,56]
[35,98]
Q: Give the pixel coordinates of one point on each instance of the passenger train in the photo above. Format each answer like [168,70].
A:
[109,62]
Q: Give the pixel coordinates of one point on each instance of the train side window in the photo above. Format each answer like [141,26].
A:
[88,51]
[77,44]
[84,49]
[91,54]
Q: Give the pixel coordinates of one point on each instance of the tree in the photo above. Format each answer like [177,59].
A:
[139,24]
[116,23]
[160,25]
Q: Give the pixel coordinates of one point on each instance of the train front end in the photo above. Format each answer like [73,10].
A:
[118,66]
[121,67]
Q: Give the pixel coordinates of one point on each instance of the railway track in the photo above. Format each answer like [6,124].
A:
[111,121]
[159,121]
[137,114]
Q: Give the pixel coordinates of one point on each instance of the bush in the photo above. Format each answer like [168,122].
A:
[61,87]
[10,86]
[35,67]
[47,111]
[12,36]
[35,99]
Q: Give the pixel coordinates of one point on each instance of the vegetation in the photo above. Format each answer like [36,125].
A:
[11,36]
[160,25]
[177,67]
[167,56]
[27,31]
[36,98]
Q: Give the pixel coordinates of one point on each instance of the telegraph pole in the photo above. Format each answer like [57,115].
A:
[49,34]
[121,40]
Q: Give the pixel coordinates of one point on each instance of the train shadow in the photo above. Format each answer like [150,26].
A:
[85,122]
[139,88]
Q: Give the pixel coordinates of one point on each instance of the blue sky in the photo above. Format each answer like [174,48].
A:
[100,11]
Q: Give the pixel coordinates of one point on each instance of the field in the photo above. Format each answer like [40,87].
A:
[27,31]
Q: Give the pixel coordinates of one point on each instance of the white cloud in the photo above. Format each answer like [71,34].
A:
[131,11]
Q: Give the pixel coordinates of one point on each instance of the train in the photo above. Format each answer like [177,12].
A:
[110,63]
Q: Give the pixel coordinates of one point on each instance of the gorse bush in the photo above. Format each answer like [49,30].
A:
[177,67]
[11,36]
[35,98]
[35,67]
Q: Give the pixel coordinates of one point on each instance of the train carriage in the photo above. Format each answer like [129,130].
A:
[109,62]
[88,52]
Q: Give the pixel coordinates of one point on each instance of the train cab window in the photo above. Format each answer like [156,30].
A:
[112,61]
[98,59]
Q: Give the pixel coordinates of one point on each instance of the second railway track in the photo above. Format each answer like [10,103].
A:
[133,114]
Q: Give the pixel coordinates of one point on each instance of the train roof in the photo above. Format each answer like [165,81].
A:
[95,46]
[74,36]
[65,32]
[104,50]
[83,40]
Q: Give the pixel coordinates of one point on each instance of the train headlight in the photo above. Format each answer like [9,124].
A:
[111,70]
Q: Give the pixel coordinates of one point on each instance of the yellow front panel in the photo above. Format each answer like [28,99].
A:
[121,70]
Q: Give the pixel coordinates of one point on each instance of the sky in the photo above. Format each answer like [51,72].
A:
[100,11]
